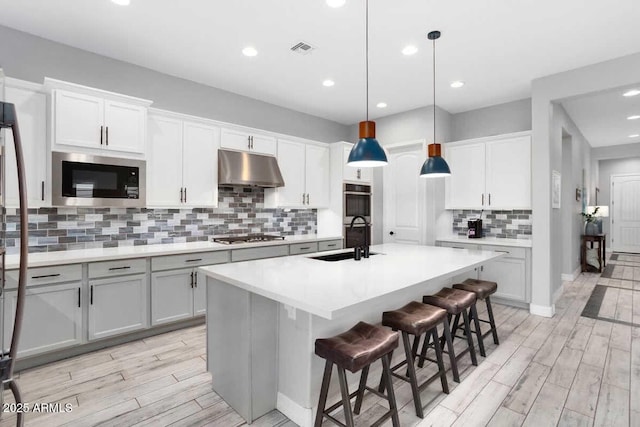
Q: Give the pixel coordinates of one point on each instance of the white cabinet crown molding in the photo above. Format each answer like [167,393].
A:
[51,84]
[488,138]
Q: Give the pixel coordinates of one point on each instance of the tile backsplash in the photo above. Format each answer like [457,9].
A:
[240,211]
[513,224]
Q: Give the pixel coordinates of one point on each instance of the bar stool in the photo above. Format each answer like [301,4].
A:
[483,289]
[418,319]
[354,350]
[455,302]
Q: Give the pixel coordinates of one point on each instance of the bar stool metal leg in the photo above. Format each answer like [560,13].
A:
[346,401]
[391,396]
[452,354]
[467,326]
[476,325]
[361,388]
[412,375]
[492,321]
[443,373]
[324,391]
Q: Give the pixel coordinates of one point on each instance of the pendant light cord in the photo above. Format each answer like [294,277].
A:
[434,91]
[366,26]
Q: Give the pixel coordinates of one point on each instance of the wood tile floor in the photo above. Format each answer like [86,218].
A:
[570,370]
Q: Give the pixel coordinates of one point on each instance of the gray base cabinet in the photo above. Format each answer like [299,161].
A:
[171,296]
[52,318]
[117,305]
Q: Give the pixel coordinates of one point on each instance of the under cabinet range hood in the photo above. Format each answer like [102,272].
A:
[239,168]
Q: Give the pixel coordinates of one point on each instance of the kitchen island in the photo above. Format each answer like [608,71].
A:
[264,315]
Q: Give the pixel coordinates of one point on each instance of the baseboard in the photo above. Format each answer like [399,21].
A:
[298,414]
[571,277]
[542,310]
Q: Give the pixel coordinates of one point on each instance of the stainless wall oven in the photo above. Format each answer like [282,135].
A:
[86,180]
[357,202]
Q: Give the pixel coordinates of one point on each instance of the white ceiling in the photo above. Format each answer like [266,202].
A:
[602,117]
[496,46]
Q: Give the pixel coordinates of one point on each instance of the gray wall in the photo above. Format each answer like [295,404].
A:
[27,57]
[494,120]
[606,169]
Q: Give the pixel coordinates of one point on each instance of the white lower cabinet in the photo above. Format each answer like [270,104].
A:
[175,294]
[117,305]
[52,318]
[510,275]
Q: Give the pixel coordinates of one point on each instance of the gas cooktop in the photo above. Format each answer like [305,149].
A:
[247,239]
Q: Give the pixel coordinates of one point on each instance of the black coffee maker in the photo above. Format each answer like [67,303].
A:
[474,228]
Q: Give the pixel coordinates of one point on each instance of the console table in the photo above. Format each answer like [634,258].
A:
[590,239]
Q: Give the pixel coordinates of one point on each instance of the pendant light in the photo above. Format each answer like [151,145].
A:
[435,166]
[367,152]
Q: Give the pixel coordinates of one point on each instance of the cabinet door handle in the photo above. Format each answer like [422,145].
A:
[101,133]
[45,276]
[358,173]
[126,267]
[91,296]
[107,133]
[195,277]
[489,199]
[482,199]
[181,197]
[42,190]
[252,143]
[191,280]
[185,194]
[249,142]
[79,290]
[193,260]
[303,198]
[307,198]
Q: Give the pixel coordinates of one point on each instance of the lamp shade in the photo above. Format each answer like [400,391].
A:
[367,152]
[434,167]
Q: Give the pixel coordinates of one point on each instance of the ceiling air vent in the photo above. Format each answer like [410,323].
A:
[302,48]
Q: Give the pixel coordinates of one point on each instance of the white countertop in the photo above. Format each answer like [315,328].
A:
[42,259]
[520,243]
[327,289]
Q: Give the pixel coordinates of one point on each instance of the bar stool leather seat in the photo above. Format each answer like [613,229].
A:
[414,318]
[358,347]
[482,288]
[452,300]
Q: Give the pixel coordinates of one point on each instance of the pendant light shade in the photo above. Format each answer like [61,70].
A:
[367,152]
[435,166]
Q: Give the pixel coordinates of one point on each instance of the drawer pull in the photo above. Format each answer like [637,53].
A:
[45,276]
[333,245]
[193,260]
[306,248]
[457,247]
[119,268]
[504,252]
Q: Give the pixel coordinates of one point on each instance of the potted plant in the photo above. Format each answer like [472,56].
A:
[590,222]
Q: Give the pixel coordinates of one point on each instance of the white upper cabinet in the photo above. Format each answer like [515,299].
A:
[31,108]
[182,162]
[93,120]
[492,173]
[248,141]
[305,170]
[351,174]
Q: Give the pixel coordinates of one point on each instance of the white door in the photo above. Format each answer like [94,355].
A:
[171,296]
[52,318]
[164,162]
[235,140]
[465,187]
[125,127]
[317,176]
[200,165]
[291,157]
[625,218]
[508,173]
[117,305]
[199,294]
[31,108]
[79,119]
[263,144]
[404,196]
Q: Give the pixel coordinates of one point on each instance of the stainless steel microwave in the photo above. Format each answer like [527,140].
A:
[86,180]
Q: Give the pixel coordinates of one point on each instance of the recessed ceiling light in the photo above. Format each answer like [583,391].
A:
[249,51]
[632,92]
[381,105]
[336,3]
[636,117]
[635,135]
[122,2]
[457,84]
[328,83]
[409,50]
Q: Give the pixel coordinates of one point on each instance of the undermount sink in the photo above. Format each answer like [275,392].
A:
[341,256]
